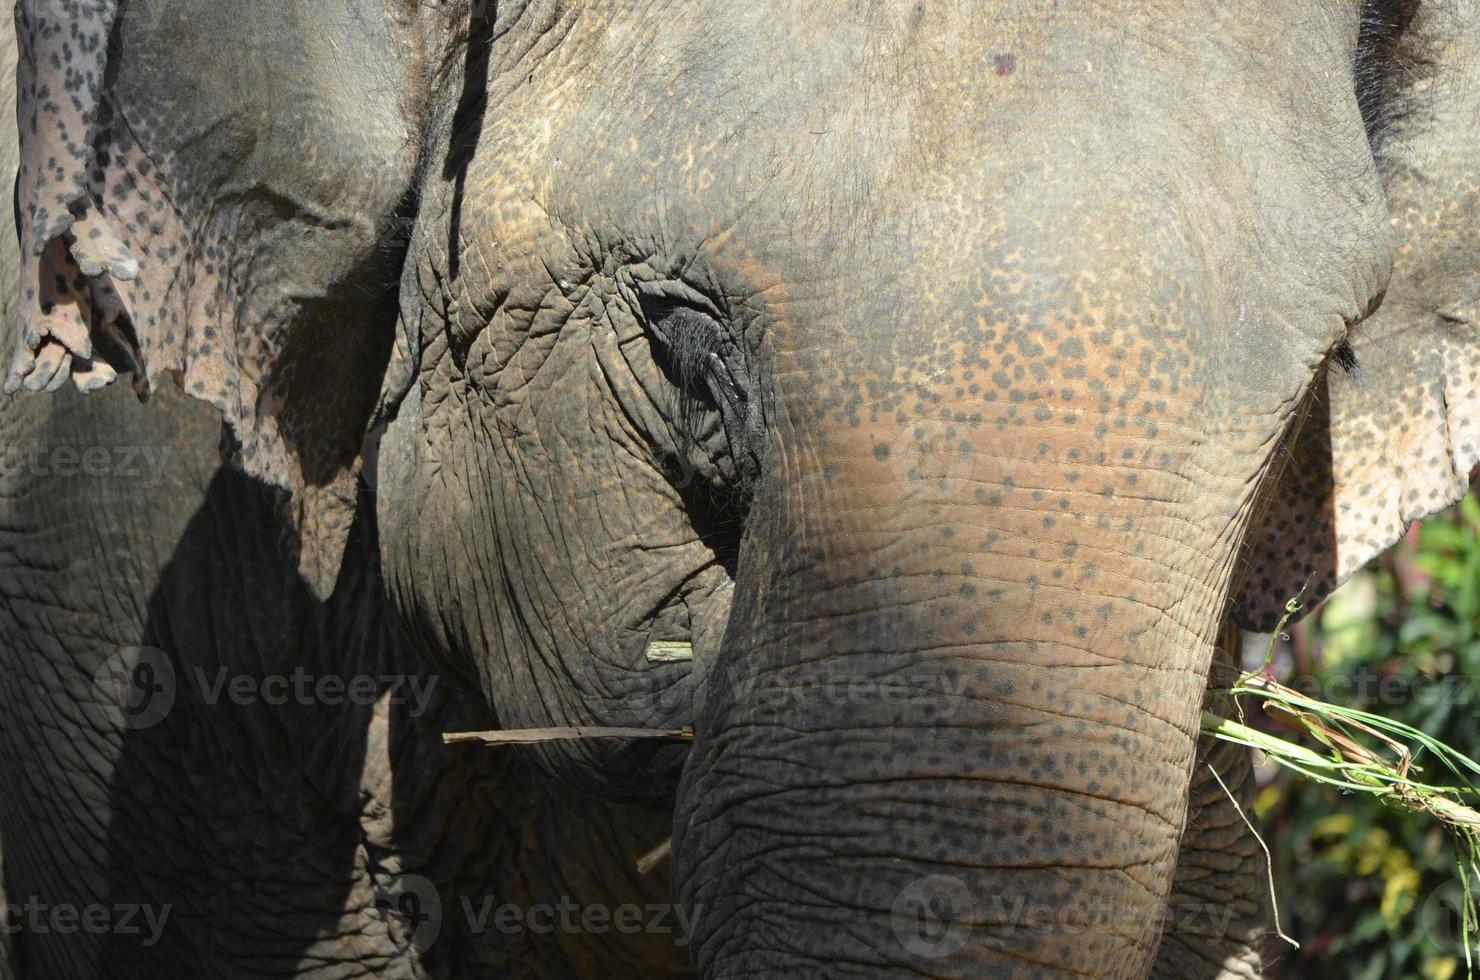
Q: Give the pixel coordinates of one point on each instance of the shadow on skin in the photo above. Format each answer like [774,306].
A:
[257,823]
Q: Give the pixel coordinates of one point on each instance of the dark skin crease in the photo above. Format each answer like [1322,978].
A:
[932,371]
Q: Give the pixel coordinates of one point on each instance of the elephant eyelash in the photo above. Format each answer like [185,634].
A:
[1344,355]
[708,369]
[689,341]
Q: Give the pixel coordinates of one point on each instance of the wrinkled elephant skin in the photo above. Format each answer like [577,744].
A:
[951,379]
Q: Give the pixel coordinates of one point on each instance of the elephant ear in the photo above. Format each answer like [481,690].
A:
[68,248]
[239,283]
[1391,432]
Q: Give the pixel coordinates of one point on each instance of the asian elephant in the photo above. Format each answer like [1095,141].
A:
[948,376]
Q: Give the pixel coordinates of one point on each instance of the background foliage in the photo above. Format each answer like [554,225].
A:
[1368,891]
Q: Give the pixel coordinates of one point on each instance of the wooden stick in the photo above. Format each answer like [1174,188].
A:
[669,651]
[527,736]
[655,857]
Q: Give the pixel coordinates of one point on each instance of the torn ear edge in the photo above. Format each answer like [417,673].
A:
[1380,443]
[114,280]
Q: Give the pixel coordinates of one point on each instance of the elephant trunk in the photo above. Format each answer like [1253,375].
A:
[951,728]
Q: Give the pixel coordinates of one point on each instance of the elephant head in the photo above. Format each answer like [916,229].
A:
[941,372]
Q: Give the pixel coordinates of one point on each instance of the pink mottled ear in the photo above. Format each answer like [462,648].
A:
[128,268]
[71,255]
[1394,436]
[1289,552]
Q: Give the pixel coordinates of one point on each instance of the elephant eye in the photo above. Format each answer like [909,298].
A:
[690,342]
[706,365]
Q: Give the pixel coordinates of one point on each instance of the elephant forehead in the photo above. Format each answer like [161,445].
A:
[914,139]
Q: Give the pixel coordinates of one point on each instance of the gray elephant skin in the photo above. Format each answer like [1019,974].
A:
[955,379]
